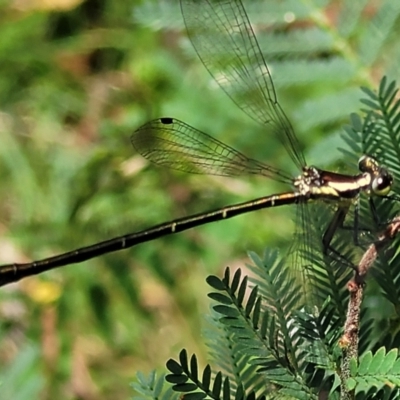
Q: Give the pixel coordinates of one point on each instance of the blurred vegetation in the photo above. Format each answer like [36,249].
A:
[76,78]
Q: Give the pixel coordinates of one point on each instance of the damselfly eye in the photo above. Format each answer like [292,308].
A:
[382,184]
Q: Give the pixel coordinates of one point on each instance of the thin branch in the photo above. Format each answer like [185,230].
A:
[350,338]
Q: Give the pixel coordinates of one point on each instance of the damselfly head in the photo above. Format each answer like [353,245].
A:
[381,178]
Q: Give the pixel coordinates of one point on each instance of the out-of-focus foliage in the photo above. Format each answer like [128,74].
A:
[76,78]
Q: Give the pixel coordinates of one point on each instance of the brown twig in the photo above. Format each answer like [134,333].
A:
[349,340]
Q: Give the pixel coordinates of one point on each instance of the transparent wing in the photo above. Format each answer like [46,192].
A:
[172,143]
[224,40]
[322,275]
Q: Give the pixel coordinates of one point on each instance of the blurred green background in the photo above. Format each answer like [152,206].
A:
[76,79]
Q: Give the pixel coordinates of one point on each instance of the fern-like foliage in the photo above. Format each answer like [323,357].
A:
[186,379]
[265,335]
[228,357]
[152,387]
[273,341]
[384,122]
[376,372]
[294,352]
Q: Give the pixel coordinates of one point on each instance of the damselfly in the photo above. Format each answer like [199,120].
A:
[222,35]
